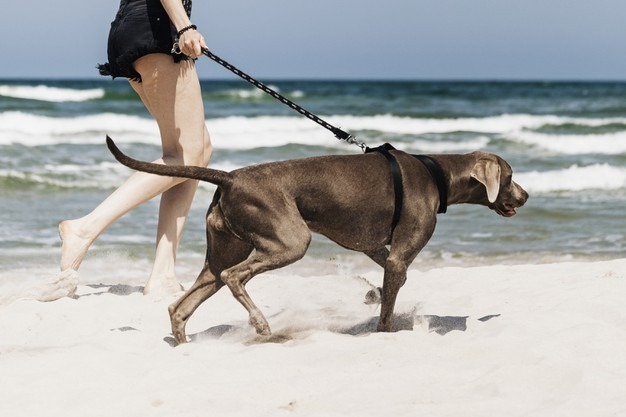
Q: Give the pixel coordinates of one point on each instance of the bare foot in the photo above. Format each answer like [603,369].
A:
[74,246]
[163,288]
[64,286]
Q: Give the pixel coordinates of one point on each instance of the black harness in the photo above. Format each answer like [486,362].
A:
[435,170]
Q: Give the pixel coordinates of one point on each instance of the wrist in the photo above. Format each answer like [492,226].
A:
[186,28]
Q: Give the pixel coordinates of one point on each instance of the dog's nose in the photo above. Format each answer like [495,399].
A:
[523,196]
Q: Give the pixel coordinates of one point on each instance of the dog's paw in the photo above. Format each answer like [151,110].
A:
[260,324]
[373,296]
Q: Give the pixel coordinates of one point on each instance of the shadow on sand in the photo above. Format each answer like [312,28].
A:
[441,325]
[117,289]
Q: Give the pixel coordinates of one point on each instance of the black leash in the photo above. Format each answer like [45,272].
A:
[339,133]
[433,167]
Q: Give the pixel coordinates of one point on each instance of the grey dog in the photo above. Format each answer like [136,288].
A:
[261,216]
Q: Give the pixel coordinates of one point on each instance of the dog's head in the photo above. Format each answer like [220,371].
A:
[502,194]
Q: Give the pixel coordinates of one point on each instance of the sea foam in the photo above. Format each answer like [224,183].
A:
[52,94]
[34,130]
[240,133]
[608,143]
[574,178]
[492,124]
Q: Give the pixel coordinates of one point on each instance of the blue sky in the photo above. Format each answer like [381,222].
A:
[362,39]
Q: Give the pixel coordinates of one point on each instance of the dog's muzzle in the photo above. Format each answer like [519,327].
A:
[508,206]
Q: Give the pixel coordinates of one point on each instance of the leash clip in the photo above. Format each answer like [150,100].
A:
[176,48]
[354,141]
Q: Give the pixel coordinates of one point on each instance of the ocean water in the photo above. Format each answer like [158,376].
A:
[566,142]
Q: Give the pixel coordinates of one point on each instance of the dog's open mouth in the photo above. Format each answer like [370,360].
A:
[506,210]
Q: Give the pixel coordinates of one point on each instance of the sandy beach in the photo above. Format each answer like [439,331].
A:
[540,340]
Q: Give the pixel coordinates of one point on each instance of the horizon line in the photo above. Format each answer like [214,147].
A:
[346,79]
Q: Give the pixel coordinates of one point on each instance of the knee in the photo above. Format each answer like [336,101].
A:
[192,153]
[395,265]
[228,278]
[207,150]
[200,153]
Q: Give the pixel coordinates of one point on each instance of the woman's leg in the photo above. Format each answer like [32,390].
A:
[171,93]
[179,113]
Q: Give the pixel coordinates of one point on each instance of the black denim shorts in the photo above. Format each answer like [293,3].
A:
[141,27]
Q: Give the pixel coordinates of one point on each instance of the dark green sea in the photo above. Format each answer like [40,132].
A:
[566,142]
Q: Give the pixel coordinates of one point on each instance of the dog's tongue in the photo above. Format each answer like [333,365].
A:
[509,210]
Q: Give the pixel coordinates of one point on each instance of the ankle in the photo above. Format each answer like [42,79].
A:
[78,228]
[162,286]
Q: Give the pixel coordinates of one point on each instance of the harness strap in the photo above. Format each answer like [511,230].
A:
[396,175]
[435,170]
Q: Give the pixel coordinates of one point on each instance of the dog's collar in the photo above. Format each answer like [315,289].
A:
[437,173]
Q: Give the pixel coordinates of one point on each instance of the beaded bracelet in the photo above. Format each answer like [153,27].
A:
[186,28]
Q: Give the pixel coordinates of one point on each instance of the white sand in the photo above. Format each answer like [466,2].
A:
[552,342]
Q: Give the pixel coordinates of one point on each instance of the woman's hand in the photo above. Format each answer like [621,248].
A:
[191,43]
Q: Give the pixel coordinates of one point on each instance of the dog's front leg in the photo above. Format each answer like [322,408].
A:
[406,245]
[395,276]
[378,255]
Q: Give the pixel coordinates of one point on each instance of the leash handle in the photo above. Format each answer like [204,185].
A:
[339,133]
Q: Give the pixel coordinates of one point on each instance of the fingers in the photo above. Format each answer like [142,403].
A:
[191,43]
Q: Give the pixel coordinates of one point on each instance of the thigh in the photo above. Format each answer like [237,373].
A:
[138,87]
[171,92]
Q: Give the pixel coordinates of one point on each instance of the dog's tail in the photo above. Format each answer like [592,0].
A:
[214,176]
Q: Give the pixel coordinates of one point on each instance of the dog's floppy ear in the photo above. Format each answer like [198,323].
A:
[487,172]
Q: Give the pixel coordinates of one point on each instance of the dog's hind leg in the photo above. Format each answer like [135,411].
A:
[234,278]
[282,249]
[223,251]
[205,286]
